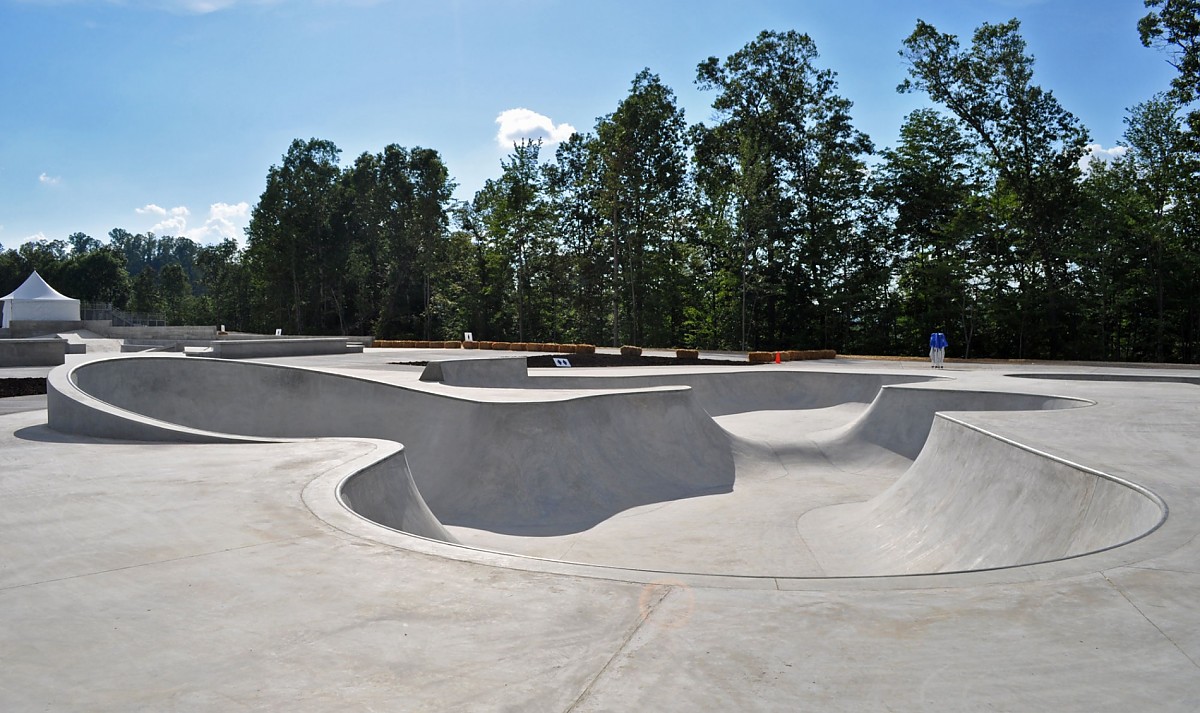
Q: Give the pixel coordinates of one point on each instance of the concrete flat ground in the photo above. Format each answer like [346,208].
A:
[224,576]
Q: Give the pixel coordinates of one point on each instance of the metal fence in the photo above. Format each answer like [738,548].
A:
[101,311]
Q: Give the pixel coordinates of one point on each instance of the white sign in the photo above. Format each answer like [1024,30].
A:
[279,332]
[468,337]
[562,361]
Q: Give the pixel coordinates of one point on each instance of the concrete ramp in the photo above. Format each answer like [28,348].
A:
[551,466]
[974,501]
[900,417]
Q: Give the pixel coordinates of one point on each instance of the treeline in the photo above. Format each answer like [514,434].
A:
[175,277]
[775,225]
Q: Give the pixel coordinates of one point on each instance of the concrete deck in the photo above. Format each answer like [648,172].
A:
[228,576]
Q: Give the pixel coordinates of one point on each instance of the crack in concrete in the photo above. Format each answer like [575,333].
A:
[1150,621]
[647,610]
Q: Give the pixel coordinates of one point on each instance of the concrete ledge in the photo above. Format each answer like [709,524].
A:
[31,328]
[33,352]
[254,348]
[201,333]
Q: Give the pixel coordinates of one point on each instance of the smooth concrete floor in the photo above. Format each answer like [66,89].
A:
[198,577]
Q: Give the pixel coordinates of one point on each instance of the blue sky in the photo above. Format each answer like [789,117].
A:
[165,115]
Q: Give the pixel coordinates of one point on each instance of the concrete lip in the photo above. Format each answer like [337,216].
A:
[776,474]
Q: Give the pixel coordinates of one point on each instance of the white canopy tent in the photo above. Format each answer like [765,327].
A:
[36,301]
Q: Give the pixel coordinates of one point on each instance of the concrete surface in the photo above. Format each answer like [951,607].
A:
[231,575]
[292,346]
[33,352]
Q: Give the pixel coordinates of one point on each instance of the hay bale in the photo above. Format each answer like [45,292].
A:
[687,353]
[631,351]
[761,357]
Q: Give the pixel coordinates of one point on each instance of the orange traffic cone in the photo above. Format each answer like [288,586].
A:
[777,359]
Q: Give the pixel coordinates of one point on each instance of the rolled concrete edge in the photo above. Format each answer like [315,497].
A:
[380,489]
[900,416]
[72,410]
[976,501]
[384,493]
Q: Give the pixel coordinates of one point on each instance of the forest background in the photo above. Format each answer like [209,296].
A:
[775,225]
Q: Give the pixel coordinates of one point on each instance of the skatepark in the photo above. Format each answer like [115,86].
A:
[355,531]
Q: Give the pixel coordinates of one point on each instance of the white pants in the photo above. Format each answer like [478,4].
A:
[937,356]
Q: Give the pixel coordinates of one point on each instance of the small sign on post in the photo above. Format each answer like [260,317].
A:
[468,337]
[562,361]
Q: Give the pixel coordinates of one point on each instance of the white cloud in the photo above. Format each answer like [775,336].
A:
[35,237]
[518,124]
[174,221]
[1096,152]
[48,180]
[225,220]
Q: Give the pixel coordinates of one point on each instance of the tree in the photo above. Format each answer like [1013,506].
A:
[82,243]
[293,249]
[1034,146]
[513,211]
[1175,27]
[432,193]
[145,296]
[96,275]
[642,174]
[929,181]
[224,286]
[784,167]
[573,185]
[175,292]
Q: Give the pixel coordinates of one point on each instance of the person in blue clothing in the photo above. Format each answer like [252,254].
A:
[937,349]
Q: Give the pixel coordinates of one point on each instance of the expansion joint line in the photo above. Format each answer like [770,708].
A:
[1138,609]
[647,605]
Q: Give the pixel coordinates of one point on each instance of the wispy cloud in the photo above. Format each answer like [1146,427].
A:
[224,220]
[520,123]
[47,180]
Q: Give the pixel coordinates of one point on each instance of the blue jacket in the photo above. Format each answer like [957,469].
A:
[937,340]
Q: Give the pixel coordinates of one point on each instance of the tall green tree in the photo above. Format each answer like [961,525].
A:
[224,286]
[787,165]
[573,187]
[1034,146]
[640,198]
[930,181]
[1174,26]
[513,212]
[295,254]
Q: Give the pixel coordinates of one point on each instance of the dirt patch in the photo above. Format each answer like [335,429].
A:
[31,386]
